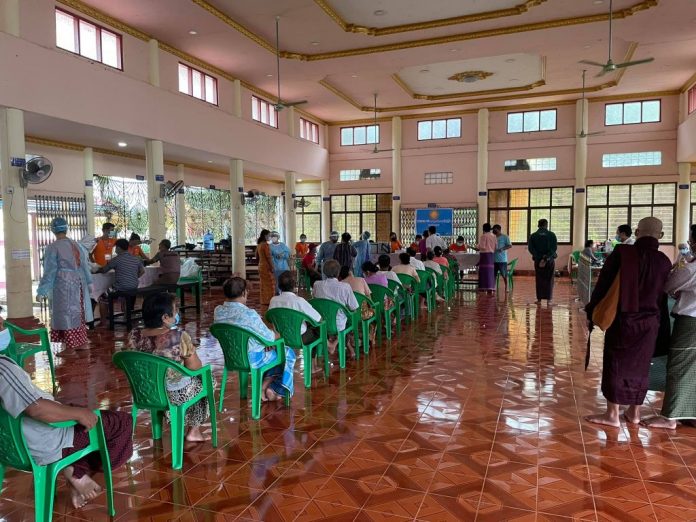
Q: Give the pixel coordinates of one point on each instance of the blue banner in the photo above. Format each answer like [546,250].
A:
[439,217]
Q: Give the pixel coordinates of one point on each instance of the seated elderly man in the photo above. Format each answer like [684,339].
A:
[331,288]
[406,267]
[414,261]
[128,270]
[277,382]
[18,395]
[384,262]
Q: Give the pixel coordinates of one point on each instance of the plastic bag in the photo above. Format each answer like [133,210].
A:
[189,268]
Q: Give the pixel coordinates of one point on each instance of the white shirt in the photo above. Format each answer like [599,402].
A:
[682,281]
[417,264]
[295,302]
[336,291]
[629,241]
[434,240]
[435,266]
[391,276]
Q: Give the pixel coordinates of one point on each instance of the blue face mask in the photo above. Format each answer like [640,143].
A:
[5,339]
[684,251]
[177,318]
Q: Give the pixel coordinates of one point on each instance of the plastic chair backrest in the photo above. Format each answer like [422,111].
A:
[13,448]
[147,375]
[576,256]
[424,277]
[234,341]
[288,323]
[379,292]
[328,310]
[407,280]
[511,266]
[362,297]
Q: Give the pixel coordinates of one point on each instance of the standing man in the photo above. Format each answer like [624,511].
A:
[345,252]
[362,247]
[629,343]
[105,244]
[434,239]
[542,245]
[281,257]
[423,244]
[327,249]
[623,235]
[500,258]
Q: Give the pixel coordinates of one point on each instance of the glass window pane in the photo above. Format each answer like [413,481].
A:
[560,224]
[540,197]
[547,120]
[338,203]
[383,226]
[197,84]
[424,130]
[638,213]
[347,136]
[631,112]
[597,224]
[614,114]
[352,225]
[210,90]
[651,111]
[272,116]
[439,129]
[666,215]
[498,198]
[88,40]
[537,214]
[369,202]
[312,227]
[184,85]
[65,31]
[338,222]
[531,121]
[454,128]
[384,201]
[597,195]
[515,122]
[641,194]
[518,226]
[499,217]
[519,198]
[373,134]
[359,136]
[617,216]
[110,49]
[618,194]
[353,203]
[369,223]
[562,197]
[666,193]
[693,195]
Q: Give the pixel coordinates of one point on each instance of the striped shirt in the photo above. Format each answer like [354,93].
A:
[127,268]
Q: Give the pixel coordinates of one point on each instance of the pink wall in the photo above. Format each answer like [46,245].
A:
[565,126]
[461,161]
[687,139]
[409,132]
[380,161]
[335,139]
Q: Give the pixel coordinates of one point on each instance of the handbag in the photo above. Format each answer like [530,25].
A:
[604,313]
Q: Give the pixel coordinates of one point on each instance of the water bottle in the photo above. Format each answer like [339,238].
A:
[208,241]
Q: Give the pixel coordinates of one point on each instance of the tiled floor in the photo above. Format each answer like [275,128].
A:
[472,414]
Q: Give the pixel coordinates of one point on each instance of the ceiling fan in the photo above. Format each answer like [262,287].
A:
[280,104]
[610,66]
[583,133]
[376,150]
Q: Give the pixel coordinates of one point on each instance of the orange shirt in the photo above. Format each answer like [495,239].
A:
[301,249]
[103,248]
[136,251]
[396,245]
[414,246]
[454,247]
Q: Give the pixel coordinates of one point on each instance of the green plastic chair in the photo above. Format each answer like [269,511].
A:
[20,351]
[429,291]
[147,375]
[442,289]
[450,283]
[411,295]
[366,323]
[288,323]
[511,270]
[328,310]
[14,453]
[303,279]
[378,294]
[198,278]
[234,341]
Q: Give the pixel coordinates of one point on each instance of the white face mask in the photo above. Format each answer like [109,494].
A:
[5,339]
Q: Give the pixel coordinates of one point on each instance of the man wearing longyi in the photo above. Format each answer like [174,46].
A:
[629,343]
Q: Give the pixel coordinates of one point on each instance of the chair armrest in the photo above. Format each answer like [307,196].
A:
[36,331]
[279,345]
[195,373]
[68,424]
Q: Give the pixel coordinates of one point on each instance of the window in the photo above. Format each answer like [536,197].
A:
[632,112]
[358,212]
[631,159]
[309,130]
[691,99]
[357,174]
[438,178]
[92,41]
[362,135]
[197,84]
[308,218]
[519,210]
[531,121]
[439,129]
[533,164]
[264,112]
[609,206]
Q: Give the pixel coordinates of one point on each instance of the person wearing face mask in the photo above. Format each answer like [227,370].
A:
[65,281]
[684,255]
[160,336]
[394,244]
[362,247]
[281,257]
[301,247]
[327,249]
[105,244]
[278,381]
[266,272]
[127,269]
[459,245]
[623,235]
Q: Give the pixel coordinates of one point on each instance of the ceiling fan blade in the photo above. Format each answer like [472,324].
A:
[594,133]
[590,62]
[602,72]
[293,104]
[634,62]
[375,151]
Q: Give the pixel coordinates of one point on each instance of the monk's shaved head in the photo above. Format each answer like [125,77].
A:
[649,226]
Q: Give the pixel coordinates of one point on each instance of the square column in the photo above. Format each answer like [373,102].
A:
[580,196]
[88,170]
[237,216]
[681,229]
[482,167]
[325,210]
[154,165]
[180,208]
[290,216]
[396,176]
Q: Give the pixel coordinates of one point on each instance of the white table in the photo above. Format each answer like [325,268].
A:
[466,260]
[102,282]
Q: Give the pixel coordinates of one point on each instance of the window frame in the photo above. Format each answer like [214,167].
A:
[378,135]
[438,178]
[623,116]
[77,37]
[204,76]
[361,213]
[690,100]
[445,137]
[529,208]
[378,175]
[630,205]
[629,154]
[507,121]
[269,107]
[510,168]
[306,125]
[300,214]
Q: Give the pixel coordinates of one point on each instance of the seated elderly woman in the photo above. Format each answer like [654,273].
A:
[333,289]
[277,382]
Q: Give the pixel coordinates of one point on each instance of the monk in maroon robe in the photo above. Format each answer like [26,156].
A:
[629,343]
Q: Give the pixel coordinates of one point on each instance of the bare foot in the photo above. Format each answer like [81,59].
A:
[660,422]
[632,415]
[604,419]
[194,435]
[272,396]
[65,353]
[83,489]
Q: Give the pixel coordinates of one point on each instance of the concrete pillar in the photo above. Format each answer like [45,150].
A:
[237,215]
[180,209]
[153,73]
[292,126]
[325,210]
[237,98]
[396,177]
[482,166]
[290,224]
[681,226]
[154,166]
[580,196]
[15,216]
[88,170]
[10,17]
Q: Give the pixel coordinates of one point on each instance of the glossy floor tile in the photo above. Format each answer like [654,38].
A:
[473,413]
